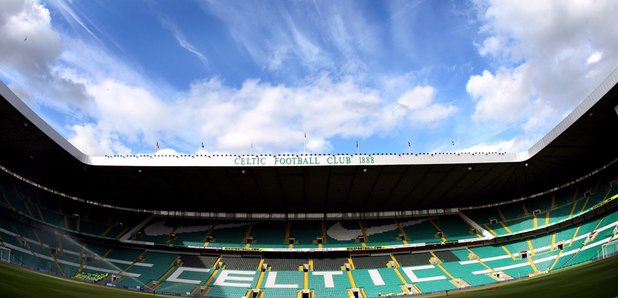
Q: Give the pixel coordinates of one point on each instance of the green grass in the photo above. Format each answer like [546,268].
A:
[17,282]
[598,279]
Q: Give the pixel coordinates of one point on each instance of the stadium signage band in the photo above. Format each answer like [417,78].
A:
[315,249]
[295,160]
[303,160]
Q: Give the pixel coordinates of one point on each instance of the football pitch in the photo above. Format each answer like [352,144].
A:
[19,282]
[599,279]
[592,280]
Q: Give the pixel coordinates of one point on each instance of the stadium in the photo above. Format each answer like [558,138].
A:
[308,149]
[310,225]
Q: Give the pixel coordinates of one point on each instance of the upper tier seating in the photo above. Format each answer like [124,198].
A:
[504,220]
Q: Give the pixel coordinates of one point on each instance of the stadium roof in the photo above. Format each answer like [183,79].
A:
[580,144]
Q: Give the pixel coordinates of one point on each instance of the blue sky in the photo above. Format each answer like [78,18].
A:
[258,76]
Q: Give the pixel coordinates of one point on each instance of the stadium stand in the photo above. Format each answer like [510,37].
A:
[553,231]
[306,233]
[230,234]
[328,263]
[372,275]
[331,283]
[346,233]
[237,262]
[382,232]
[269,234]
[509,219]
[413,259]
[369,262]
[421,231]
[290,264]
[378,282]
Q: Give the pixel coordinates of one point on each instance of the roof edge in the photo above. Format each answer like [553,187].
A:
[27,112]
[610,81]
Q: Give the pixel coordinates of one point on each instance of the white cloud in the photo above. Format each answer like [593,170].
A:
[279,54]
[182,40]
[255,117]
[29,44]
[432,115]
[418,97]
[122,116]
[491,45]
[594,58]
[418,107]
[166,151]
[548,55]
[319,145]
[276,117]
[541,117]
[398,83]
[558,40]
[501,98]
[73,18]
[307,38]
[94,140]
[511,145]
[129,110]
[271,34]
[30,48]
[92,63]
